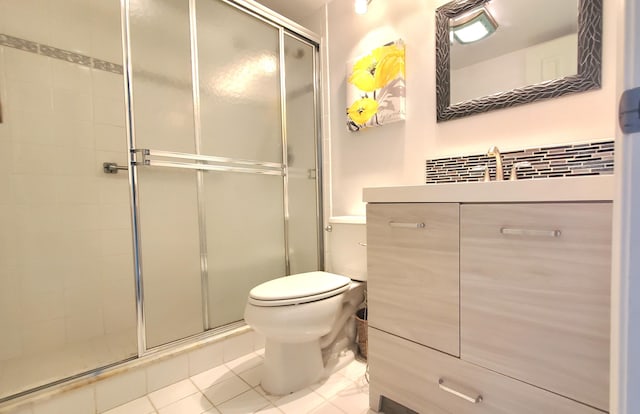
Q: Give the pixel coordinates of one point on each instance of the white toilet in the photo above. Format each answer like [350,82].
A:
[299,316]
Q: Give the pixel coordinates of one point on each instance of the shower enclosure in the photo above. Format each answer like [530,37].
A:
[157,160]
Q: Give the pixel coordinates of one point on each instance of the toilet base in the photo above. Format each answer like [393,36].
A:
[291,367]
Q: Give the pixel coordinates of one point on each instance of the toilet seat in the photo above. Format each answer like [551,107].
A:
[298,289]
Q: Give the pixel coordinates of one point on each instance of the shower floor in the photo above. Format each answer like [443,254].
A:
[235,388]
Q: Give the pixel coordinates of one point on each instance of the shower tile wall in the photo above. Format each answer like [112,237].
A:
[88,27]
[66,285]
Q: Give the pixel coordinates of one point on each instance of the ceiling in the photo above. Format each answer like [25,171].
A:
[296,10]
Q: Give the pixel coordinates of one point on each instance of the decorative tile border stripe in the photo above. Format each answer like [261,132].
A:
[594,158]
[65,55]
[18,43]
[107,66]
[54,52]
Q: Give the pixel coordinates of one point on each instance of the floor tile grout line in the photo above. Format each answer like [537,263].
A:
[151,402]
[216,382]
[243,380]
[174,401]
[238,373]
[268,403]
[229,399]
[156,410]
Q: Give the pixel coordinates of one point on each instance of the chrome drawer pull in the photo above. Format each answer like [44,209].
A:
[473,400]
[528,232]
[407,225]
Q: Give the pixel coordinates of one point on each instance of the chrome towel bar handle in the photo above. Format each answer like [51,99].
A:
[113,168]
[399,224]
[474,400]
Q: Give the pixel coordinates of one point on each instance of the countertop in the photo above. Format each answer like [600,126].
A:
[588,188]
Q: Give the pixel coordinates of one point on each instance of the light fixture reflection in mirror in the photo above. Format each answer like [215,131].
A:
[473,26]
[362,6]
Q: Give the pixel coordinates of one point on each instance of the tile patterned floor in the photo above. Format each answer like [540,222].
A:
[234,388]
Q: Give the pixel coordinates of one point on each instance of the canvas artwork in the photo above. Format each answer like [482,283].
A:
[376,87]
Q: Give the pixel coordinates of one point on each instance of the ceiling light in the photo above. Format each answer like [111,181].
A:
[473,26]
[362,6]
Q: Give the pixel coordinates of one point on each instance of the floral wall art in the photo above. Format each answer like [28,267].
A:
[376,87]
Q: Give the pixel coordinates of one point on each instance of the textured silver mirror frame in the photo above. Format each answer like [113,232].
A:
[587,78]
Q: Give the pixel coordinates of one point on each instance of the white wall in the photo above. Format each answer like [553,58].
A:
[395,154]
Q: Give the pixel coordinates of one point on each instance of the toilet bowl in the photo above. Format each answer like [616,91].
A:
[298,315]
[305,317]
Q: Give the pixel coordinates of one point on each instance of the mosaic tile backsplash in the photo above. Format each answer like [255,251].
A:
[594,158]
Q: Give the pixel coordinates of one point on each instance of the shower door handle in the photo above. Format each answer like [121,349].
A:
[158,158]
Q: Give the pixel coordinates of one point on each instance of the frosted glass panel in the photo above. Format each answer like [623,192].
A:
[239,68]
[67,302]
[245,239]
[301,141]
[162,86]
[170,254]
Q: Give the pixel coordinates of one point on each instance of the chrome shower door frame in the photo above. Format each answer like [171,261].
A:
[138,158]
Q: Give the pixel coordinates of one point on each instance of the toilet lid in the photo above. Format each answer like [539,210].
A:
[302,287]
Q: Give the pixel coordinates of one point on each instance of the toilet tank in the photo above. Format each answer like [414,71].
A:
[346,247]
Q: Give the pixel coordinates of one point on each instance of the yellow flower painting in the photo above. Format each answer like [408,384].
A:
[376,87]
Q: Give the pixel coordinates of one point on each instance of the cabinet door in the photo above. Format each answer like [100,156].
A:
[413,284]
[535,294]
[431,382]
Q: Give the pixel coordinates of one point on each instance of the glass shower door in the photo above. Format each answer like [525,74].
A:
[302,144]
[241,122]
[163,108]
[226,175]
[223,198]
[245,239]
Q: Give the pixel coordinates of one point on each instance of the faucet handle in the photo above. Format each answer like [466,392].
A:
[514,169]
[484,168]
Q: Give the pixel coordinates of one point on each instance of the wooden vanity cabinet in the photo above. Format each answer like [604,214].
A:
[534,302]
[413,272]
[535,294]
[425,380]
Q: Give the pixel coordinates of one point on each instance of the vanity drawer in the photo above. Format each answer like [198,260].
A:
[409,374]
[413,272]
[535,294]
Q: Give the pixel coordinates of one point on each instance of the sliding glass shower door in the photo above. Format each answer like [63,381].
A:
[212,109]
[301,123]
[225,171]
[163,108]
[240,118]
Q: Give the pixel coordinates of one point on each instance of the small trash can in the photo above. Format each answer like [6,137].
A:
[361,332]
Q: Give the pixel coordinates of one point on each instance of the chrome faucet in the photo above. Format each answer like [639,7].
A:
[485,169]
[495,152]
[514,169]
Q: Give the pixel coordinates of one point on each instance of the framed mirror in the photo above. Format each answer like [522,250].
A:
[540,49]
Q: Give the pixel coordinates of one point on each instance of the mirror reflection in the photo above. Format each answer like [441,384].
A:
[519,43]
